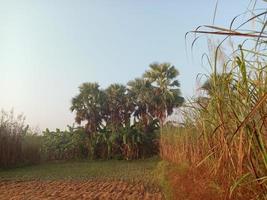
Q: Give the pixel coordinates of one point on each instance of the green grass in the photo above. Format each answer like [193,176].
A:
[162,179]
[139,170]
[166,169]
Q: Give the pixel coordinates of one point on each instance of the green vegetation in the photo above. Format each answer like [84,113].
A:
[162,171]
[64,145]
[138,170]
[122,121]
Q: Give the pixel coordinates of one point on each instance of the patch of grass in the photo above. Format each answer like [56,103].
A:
[138,170]
[161,175]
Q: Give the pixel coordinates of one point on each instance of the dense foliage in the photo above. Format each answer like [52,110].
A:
[122,121]
[75,143]
[65,145]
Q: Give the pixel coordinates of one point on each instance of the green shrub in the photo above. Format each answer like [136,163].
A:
[128,143]
[65,145]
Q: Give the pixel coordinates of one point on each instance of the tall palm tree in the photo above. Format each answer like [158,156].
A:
[88,106]
[138,90]
[118,108]
[163,77]
[141,92]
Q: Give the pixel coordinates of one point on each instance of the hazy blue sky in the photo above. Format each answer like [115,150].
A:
[49,47]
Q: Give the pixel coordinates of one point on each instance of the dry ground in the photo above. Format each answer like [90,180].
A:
[93,189]
[101,180]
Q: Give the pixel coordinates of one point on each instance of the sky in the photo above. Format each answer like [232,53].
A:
[48,48]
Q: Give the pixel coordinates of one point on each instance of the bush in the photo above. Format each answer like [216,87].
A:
[65,145]
[74,143]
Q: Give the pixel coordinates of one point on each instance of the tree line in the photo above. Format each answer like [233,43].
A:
[123,119]
[121,122]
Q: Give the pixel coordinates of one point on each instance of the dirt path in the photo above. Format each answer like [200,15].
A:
[68,190]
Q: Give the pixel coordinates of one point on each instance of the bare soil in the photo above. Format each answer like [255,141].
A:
[68,190]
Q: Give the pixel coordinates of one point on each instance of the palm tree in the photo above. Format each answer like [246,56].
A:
[88,106]
[167,93]
[118,108]
[141,91]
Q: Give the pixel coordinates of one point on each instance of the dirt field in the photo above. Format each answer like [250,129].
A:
[38,190]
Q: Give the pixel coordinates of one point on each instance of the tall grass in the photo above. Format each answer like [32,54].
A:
[226,130]
[18,146]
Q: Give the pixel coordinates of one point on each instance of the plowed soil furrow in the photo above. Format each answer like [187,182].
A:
[59,190]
